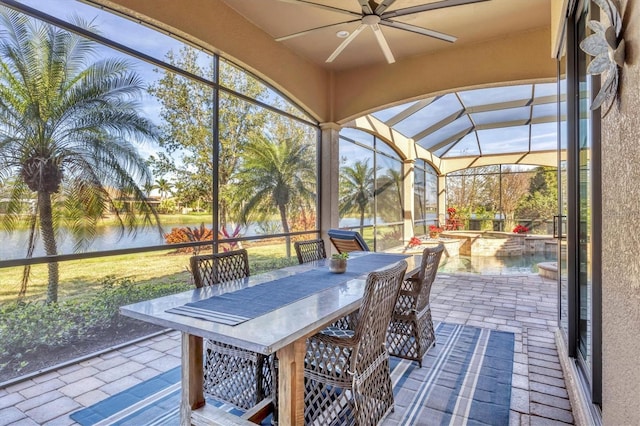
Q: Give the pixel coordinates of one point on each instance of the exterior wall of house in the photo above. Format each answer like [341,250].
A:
[620,238]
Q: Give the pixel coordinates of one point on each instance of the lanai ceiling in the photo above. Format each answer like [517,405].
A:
[468,22]
[508,124]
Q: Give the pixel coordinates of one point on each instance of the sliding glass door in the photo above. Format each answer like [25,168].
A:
[579,292]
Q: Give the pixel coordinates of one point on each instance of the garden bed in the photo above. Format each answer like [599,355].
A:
[46,357]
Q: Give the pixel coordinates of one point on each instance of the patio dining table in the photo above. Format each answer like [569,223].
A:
[273,312]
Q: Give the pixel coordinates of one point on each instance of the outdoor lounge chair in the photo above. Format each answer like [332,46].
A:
[411,333]
[346,372]
[238,376]
[347,241]
[310,250]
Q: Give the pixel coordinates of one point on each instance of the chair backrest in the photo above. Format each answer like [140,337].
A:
[310,250]
[347,241]
[378,302]
[428,269]
[209,269]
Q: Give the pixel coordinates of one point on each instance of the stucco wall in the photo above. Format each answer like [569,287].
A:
[621,238]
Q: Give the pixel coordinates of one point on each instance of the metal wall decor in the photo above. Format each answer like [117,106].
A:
[608,49]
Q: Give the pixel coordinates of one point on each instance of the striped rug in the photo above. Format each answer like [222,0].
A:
[464,379]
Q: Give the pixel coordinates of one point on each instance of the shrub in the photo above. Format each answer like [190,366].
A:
[34,326]
[187,234]
[436,229]
[235,233]
[520,229]
[414,242]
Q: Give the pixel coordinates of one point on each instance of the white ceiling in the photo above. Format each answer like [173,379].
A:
[470,23]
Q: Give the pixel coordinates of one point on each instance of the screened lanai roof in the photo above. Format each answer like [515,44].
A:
[498,125]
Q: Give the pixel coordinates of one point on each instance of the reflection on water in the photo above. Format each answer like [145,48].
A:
[14,244]
[488,265]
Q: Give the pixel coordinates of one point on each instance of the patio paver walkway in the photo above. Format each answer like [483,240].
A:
[522,304]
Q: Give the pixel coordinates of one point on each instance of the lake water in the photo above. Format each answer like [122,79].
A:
[14,245]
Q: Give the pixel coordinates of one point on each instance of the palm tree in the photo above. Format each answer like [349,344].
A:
[274,176]
[164,187]
[66,131]
[389,195]
[356,189]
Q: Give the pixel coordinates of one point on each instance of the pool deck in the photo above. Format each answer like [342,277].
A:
[523,304]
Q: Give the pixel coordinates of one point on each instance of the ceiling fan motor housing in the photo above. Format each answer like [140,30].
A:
[370,20]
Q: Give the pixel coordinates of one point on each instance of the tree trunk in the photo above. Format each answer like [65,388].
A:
[49,240]
[285,228]
[362,223]
[26,272]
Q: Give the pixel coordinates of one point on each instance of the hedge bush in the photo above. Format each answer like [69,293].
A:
[27,327]
[32,326]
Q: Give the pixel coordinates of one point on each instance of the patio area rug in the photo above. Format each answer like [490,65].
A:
[465,379]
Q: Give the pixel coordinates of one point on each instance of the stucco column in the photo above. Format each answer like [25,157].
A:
[442,200]
[408,199]
[329,173]
[621,240]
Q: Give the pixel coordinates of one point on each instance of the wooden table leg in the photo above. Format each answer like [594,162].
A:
[291,383]
[192,377]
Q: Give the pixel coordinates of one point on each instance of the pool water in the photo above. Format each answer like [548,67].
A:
[488,265]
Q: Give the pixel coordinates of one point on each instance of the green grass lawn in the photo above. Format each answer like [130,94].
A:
[81,277]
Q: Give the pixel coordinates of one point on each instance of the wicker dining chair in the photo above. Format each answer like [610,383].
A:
[346,372]
[232,374]
[411,333]
[347,241]
[310,250]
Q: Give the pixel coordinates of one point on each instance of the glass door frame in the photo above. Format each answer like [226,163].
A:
[590,369]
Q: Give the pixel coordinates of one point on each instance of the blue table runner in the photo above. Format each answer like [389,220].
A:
[242,305]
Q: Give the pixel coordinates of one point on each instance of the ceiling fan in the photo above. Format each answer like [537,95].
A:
[375,14]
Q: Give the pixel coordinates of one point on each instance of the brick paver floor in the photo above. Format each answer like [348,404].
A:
[522,304]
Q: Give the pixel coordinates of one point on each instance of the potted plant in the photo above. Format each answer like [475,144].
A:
[338,263]
[414,242]
[434,231]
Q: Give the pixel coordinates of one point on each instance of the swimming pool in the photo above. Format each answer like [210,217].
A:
[488,265]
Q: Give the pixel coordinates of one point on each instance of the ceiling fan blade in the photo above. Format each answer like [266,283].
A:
[425,7]
[384,5]
[323,6]
[419,30]
[366,7]
[383,44]
[345,43]
[298,34]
